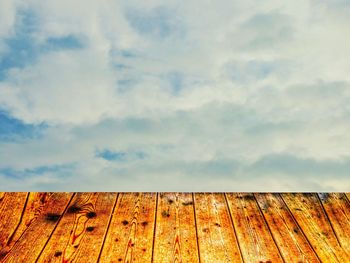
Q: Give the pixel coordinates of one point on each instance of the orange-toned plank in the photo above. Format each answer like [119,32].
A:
[337,208]
[175,239]
[308,212]
[11,208]
[40,218]
[216,235]
[289,238]
[255,239]
[130,235]
[348,196]
[80,233]
[34,206]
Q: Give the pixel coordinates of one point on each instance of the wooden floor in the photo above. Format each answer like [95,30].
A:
[174,227]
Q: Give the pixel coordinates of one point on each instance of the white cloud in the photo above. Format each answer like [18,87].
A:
[66,87]
[257,79]
[7,17]
[7,21]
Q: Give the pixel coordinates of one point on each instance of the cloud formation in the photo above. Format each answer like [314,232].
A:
[231,95]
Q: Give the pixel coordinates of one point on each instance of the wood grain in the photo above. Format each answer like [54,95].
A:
[174,227]
[12,206]
[347,196]
[40,218]
[80,234]
[337,208]
[291,241]
[255,239]
[130,235]
[308,212]
[216,235]
[35,202]
[175,238]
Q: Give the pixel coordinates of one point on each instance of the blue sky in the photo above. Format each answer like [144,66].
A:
[154,96]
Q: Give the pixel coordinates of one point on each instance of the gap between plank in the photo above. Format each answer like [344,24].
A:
[59,220]
[234,228]
[302,231]
[108,225]
[346,197]
[19,223]
[268,227]
[155,227]
[195,223]
[330,223]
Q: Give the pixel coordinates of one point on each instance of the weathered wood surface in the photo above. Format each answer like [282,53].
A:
[41,215]
[80,234]
[174,227]
[216,235]
[130,234]
[313,220]
[337,208]
[292,243]
[254,237]
[11,211]
[175,237]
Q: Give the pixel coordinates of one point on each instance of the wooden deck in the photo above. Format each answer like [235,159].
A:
[174,227]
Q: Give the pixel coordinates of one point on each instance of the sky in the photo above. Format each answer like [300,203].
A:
[226,95]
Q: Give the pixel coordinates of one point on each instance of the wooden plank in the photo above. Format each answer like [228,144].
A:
[308,212]
[256,241]
[348,196]
[175,238]
[130,235]
[40,218]
[216,235]
[337,208]
[32,228]
[80,233]
[11,208]
[34,205]
[289,238]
